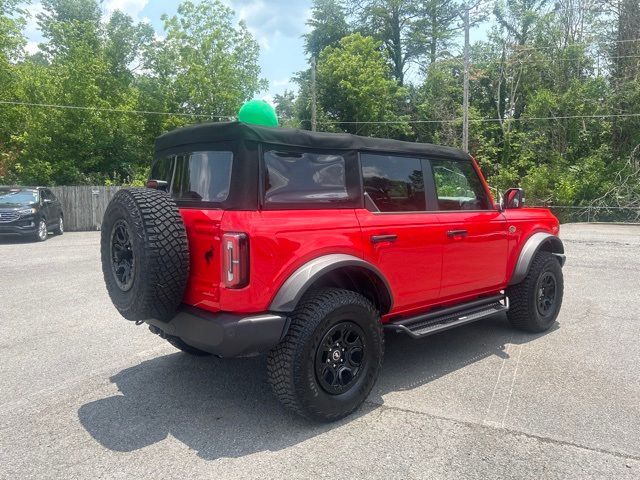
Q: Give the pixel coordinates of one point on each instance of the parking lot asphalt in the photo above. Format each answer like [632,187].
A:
[86,394]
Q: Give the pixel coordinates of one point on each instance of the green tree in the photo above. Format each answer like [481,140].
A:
[435,28]
[286,108]
[328,25]
[356,85]
[391,22]
[12,41]
[207,65]
[519,17]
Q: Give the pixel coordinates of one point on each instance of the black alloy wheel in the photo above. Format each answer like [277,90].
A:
[546,294]
[330,358]
[340,357]
[122,258]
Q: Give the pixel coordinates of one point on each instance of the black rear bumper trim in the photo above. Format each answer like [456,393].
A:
[224,334]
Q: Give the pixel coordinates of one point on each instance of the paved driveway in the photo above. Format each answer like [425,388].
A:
[85,394]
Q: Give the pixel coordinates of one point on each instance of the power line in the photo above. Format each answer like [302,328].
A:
[332,122]
[485,120]
[568,45]
[112,110]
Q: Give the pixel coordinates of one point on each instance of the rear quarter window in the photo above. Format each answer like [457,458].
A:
[197,176]
[309,179]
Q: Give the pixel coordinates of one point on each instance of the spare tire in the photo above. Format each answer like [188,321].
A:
[145,254]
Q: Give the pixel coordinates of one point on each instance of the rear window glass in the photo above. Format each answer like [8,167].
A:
[304,177]
[197,176]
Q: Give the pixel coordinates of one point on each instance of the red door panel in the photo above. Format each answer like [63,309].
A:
[407,249]
[475,252]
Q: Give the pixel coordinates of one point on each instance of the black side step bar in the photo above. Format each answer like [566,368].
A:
[446,318]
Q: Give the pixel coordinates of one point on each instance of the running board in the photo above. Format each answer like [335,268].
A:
[446,318]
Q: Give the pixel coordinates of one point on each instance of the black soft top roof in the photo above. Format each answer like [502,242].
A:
[233,131]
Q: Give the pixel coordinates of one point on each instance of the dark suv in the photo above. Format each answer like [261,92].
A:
[30,212]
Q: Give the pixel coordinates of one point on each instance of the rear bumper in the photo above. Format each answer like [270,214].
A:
[224,334]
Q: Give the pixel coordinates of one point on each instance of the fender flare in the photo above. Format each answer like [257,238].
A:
[533,245]
[292,290]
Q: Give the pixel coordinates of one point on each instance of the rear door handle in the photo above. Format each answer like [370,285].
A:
[383,238]
[456,233]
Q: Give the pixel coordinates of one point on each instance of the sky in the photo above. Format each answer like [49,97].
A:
[277,25]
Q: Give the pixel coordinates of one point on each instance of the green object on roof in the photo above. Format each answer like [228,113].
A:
[258,112]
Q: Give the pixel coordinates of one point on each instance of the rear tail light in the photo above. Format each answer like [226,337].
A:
[235,260]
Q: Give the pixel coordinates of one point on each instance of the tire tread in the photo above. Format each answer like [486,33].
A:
[281,361]
[522,309]
[156,221]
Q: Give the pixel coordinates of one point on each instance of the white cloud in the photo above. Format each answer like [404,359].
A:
[32,48]
[130,7]
[273,17]
[281,83]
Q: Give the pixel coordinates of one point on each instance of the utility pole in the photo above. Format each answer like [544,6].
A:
[313,94]
[465,100]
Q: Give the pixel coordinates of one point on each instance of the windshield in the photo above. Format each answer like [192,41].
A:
[19,197]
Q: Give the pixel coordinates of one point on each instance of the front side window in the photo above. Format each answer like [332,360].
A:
[48,195]
[305,178]
[394,184]
[197,176]
[458,186]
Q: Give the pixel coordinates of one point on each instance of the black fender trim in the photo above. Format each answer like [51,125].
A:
[533,245]
[299,282]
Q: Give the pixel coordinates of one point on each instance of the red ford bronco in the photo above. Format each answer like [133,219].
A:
[310,246]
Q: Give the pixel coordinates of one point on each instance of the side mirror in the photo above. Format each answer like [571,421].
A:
[513,198]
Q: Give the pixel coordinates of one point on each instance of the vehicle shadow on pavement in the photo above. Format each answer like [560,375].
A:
[225,408]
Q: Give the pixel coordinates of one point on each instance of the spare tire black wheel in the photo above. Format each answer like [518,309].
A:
[145,254]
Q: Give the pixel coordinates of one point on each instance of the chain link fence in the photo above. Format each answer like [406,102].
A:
[600,214]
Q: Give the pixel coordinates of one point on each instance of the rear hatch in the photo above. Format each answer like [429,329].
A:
[203,232]
[199,182]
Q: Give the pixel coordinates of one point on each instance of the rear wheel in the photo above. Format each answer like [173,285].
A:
[331,356]
[535,302]
[59,230]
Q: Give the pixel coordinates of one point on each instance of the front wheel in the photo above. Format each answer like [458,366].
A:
[535,302]
[331,356]
[42,231]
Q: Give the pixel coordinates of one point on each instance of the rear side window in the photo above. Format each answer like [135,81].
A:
[458,186]
[197,176]
[202,176]
[163,169]
[304,179]
[394,184]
